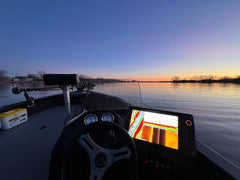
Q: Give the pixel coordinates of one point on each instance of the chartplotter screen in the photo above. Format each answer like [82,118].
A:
[154,127]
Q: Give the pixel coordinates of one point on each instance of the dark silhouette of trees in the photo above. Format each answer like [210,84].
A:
[40,74]
[176,78]
[31,75]
[3,74]
[206,79]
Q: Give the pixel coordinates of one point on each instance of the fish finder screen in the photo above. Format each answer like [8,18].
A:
[154,127]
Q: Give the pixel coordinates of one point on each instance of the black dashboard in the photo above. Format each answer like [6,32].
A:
[169,132]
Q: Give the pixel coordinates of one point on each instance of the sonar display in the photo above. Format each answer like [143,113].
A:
[154,128]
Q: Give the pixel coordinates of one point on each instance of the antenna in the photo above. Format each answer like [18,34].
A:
[140,92]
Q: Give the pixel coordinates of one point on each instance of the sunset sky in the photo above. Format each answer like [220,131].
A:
[141,39]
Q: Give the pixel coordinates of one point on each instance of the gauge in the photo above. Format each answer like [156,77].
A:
[107,117]
[90,118]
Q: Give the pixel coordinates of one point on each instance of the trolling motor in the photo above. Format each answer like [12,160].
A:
[63,81]
[30,100]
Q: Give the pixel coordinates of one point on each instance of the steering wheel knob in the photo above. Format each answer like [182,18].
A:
[100,160]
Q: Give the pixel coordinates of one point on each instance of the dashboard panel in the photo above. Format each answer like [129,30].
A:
[167,143]
[164,131]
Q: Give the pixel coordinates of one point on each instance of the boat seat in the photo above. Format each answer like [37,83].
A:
[61,79]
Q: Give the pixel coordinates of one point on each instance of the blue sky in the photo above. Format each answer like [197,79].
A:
[121,39]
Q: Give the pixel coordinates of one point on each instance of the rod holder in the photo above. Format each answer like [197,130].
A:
[67,101]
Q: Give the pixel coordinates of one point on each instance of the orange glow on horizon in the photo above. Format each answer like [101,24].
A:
[154,79]
[187,77]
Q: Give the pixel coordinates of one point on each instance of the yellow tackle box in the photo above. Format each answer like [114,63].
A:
[13,118]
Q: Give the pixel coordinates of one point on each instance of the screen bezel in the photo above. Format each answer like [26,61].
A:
[186,134]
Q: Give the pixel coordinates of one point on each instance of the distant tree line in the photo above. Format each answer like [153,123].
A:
[84,79]
[3,74]
[37,76]
[100,79]
[89,82]
[29,77]
[206,79]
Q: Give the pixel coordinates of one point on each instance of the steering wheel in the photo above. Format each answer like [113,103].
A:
[100,150]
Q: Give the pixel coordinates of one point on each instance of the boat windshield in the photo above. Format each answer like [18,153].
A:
[129,92]
[212,105]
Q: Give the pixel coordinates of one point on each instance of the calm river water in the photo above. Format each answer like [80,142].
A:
[215,107]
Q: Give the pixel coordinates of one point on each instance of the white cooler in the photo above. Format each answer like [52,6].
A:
[13,118]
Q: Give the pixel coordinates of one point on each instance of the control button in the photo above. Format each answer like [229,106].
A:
[188,123]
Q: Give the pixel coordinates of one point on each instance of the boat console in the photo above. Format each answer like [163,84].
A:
[109,143]
[106,144]
[111,139]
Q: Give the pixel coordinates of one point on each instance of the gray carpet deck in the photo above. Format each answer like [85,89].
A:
[25,150]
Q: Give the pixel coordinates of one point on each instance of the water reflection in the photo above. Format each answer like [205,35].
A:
[33,84]
[7,97]
[4,86]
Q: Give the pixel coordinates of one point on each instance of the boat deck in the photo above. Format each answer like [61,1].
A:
[26,149]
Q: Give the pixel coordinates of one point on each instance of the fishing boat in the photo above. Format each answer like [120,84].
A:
[88,135]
